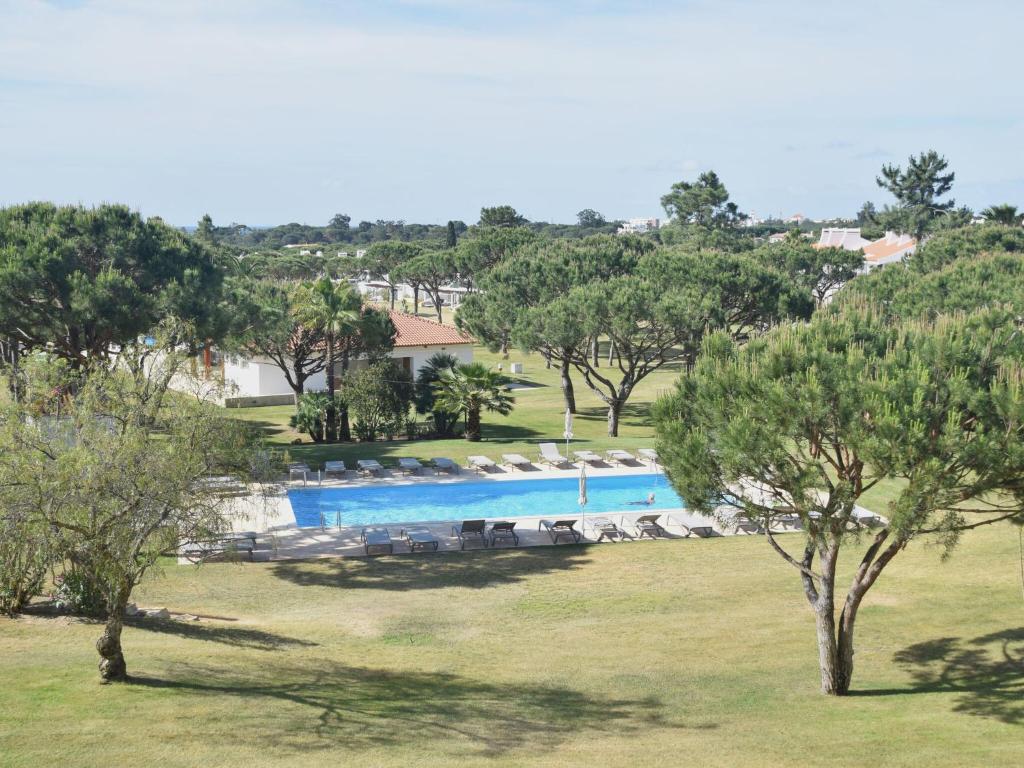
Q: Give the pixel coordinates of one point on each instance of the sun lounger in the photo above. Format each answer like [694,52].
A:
[370,466]
[588,456]
[549,455]
[442,464]
[608,530]
[334,468]
[648,453]
[516,461]
[419,538]
[619,456]
[558,529]
[471,530]
[302,470]
[505,531]
[409,466]
[224,485]
[480,463]
[229,545]
[648,525]
[377,539]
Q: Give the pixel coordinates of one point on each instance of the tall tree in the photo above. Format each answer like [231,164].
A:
[917,190]
[383,259]
[80,282]
[77,467]
[470,389]
[821,271]
[266,323]
[431,271]
[704,203]
[451,238]
[588,217]
[801,423]
[501,216]
[333,309]
[205,230]
[657,315]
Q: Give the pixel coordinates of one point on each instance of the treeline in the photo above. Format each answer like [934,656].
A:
[341,231]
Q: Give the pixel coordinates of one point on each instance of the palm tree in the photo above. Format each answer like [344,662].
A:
[334,310]
[1003,214]
[429,374]
[470,389]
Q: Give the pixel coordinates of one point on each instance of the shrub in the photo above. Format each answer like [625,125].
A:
[379,397]
[77,594]
[24,559]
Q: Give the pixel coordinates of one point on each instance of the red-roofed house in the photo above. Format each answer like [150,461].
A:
[258,381]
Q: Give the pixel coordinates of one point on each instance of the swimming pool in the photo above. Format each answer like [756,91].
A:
[385,504]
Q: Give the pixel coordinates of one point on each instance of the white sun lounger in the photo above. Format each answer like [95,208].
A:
[648,453]
[588,456]
[619,456]
[302,470]
[442,464]
[549,455]
[409,466]
[334,468]
[370,466]
[480,463]
[516,461]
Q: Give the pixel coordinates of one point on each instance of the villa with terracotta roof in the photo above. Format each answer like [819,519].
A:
[888,249]
[258,381]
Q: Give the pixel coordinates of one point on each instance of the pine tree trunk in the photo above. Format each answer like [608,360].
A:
[415,299]
[112,665]
[614,411]
[596,348]
[567,389]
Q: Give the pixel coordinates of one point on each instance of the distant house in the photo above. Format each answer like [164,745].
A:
[836,237]
[888,249]
[777,237]
[257,381]
[796,218]
[638,226]
[885,250]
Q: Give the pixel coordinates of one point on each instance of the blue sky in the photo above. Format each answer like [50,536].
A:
[263,111]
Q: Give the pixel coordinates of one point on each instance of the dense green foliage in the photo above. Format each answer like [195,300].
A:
[911,375]
[80,281]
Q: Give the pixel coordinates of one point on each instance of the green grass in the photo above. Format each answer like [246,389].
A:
[661,654]
[539,416]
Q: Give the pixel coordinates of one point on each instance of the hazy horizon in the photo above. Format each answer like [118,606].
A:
[267,112]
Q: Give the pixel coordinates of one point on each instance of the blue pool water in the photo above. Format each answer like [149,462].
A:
[382,504]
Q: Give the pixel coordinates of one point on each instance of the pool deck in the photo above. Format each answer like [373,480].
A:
[279,538]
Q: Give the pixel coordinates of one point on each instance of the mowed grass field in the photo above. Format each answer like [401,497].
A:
[686,652]
[539,416]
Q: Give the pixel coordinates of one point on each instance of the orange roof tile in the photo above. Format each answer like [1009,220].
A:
[419,332]
[887,247]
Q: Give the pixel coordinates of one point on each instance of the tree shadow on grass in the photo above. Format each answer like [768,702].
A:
[361,707]
[477,569]
[986,674]
[239,637]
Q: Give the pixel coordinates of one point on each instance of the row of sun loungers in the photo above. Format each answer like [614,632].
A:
[548,455]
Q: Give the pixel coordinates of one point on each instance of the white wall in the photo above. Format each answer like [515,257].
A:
[261,378]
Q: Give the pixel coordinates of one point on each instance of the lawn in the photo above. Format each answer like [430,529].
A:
[662,654]
[539,416]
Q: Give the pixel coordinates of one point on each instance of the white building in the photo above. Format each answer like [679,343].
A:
[836,237]
[257,381]
[639,226]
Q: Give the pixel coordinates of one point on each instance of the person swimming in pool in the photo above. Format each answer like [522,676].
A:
[648,501]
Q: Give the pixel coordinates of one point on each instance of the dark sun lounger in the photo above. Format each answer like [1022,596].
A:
[560,528]
[471,530]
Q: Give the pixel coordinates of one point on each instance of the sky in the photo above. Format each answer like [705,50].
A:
[264,111]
